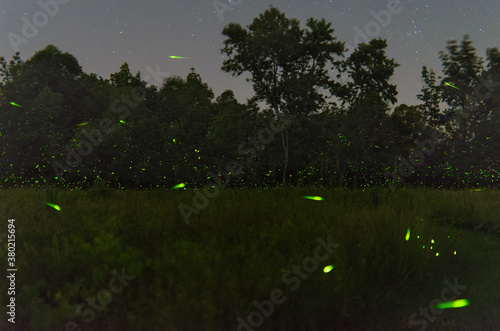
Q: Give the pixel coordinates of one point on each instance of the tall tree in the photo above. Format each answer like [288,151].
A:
[287,63]
[431,98]
[369,71]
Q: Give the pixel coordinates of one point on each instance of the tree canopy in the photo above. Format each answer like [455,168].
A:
[62,127]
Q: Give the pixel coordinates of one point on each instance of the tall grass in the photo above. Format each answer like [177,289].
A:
[206,274]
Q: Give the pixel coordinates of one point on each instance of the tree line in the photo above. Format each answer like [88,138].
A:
[334,126]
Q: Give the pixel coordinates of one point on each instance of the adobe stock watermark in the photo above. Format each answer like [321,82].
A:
[104,297]
[266,307]
[29,30]
[382,19]
[95,137]
[418,156]
[221,7]
[200,200]
[430,317]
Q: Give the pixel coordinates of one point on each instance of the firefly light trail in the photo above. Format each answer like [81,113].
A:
[452,86]
[452,304]
[310,197]
[56,207]
[327,269]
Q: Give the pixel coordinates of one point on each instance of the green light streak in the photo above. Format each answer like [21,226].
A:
[452,86]
[15,104]
[328,268]
[82,124]
[56,207]
[178,57]
[310,197]
[408,235]
[452,304]
[181,185]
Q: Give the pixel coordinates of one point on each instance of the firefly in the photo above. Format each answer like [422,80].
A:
[121,121]
[328,268]
[56,207]
[408,235]
[177,57]
[181,185]
[452,304]
[452,86]
[15,104]
[310,197]
[82,124]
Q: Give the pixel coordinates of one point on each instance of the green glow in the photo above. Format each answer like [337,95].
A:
[452,86]
[181,185]
[82,124]
[121,121]
[408,235]
[15,104]
[328,268]
[452,304]
[310,197]
[56,207]
[177,57]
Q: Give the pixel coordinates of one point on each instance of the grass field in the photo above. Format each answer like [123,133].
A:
[132,253]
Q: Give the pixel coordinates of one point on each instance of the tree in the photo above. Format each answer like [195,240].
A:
[125,78]
[370,71]
[431,98]
[186,106]
[287,63]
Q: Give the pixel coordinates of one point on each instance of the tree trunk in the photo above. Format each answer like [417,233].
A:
[284,140]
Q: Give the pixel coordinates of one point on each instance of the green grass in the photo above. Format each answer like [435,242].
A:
[203,275]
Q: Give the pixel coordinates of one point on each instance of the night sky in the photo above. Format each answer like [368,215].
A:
[104,34]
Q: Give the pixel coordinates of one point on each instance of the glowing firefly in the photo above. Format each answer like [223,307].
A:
[328,268]
[178,57]
[56,207]
[121,121]
[310,197]
[181,185]
[15,104]
[82,124]
[408,235]
[452,86]
[452,304]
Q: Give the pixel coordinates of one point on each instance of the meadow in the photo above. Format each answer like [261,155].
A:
[251,248]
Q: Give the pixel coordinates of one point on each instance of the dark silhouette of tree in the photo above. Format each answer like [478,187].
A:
[287,63]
